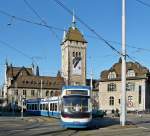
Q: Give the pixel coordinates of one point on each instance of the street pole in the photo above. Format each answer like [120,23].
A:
[91,84]
[41,88]
[21,107]
[123,55]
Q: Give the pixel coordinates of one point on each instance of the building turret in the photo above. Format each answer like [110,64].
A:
[73,50]
[37,71]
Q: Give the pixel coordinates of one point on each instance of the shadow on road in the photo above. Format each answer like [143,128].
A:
[98,123]
[104,122]
[13,114]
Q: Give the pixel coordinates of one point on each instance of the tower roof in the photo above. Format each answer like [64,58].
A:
[74,34]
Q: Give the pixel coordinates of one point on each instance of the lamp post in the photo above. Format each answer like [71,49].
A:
[123,55]
[22,100]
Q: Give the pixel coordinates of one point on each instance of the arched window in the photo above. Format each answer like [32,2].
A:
[76,54]
[111,87]
[130,73]
[52,93]
[32,92]
[79,54]
[73,54]
[47,93]
[112,75]
[111,100]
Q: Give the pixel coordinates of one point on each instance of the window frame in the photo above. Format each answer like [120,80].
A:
[111,101]
[111,87]
[112,75]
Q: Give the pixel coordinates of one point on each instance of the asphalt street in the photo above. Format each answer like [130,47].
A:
[45,126]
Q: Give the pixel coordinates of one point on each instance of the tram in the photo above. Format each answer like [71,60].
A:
[73,107]
[76,111]
[44,106]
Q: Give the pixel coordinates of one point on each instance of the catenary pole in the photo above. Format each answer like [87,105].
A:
[123,87]
[41,88]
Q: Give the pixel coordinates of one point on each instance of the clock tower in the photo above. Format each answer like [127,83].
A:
[73,48]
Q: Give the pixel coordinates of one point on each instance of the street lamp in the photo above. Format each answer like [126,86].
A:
[22,100]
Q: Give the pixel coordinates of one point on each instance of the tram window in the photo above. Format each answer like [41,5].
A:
[47,106]
[51,107]
[32,107]
[27,106]
[35,106]
[43,106]
[40,106]
[55,106]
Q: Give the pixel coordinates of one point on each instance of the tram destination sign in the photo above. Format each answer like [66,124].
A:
[77,92]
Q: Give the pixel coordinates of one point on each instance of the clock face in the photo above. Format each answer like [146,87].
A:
[76,67]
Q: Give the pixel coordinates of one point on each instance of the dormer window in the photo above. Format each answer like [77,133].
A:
[21,74]
[130,73]
[112,75]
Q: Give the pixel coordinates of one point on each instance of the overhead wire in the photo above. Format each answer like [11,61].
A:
[143,3]
[17,50]
[42,20]
[87,26]
[131,46]
[60,29]
[92,30]
[56,28]
[28,21]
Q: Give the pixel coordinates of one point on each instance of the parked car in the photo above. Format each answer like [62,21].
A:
[98,113]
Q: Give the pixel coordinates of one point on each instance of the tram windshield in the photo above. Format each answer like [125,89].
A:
[76,104]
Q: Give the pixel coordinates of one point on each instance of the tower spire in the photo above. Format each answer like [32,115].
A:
[64,36]
[73,20]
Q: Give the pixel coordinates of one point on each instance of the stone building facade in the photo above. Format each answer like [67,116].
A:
[137,88]
[23,82]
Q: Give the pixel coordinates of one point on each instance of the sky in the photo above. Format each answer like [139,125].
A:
[22,43]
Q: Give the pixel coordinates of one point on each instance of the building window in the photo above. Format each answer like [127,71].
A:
[73,54]
[79,54]
[32,93]
[51,93]
[111,87]
[111,100]
[76,54]
[130,98]
[112,75]
[47,93]
[130,73]
[140,94]
[130,86]
[27,81]
[16,92]
[24,92]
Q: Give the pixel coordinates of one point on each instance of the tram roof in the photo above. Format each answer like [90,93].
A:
[75,87]
[37,100]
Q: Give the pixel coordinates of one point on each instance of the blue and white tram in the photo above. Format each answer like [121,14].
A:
[76,109]
[44,106]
